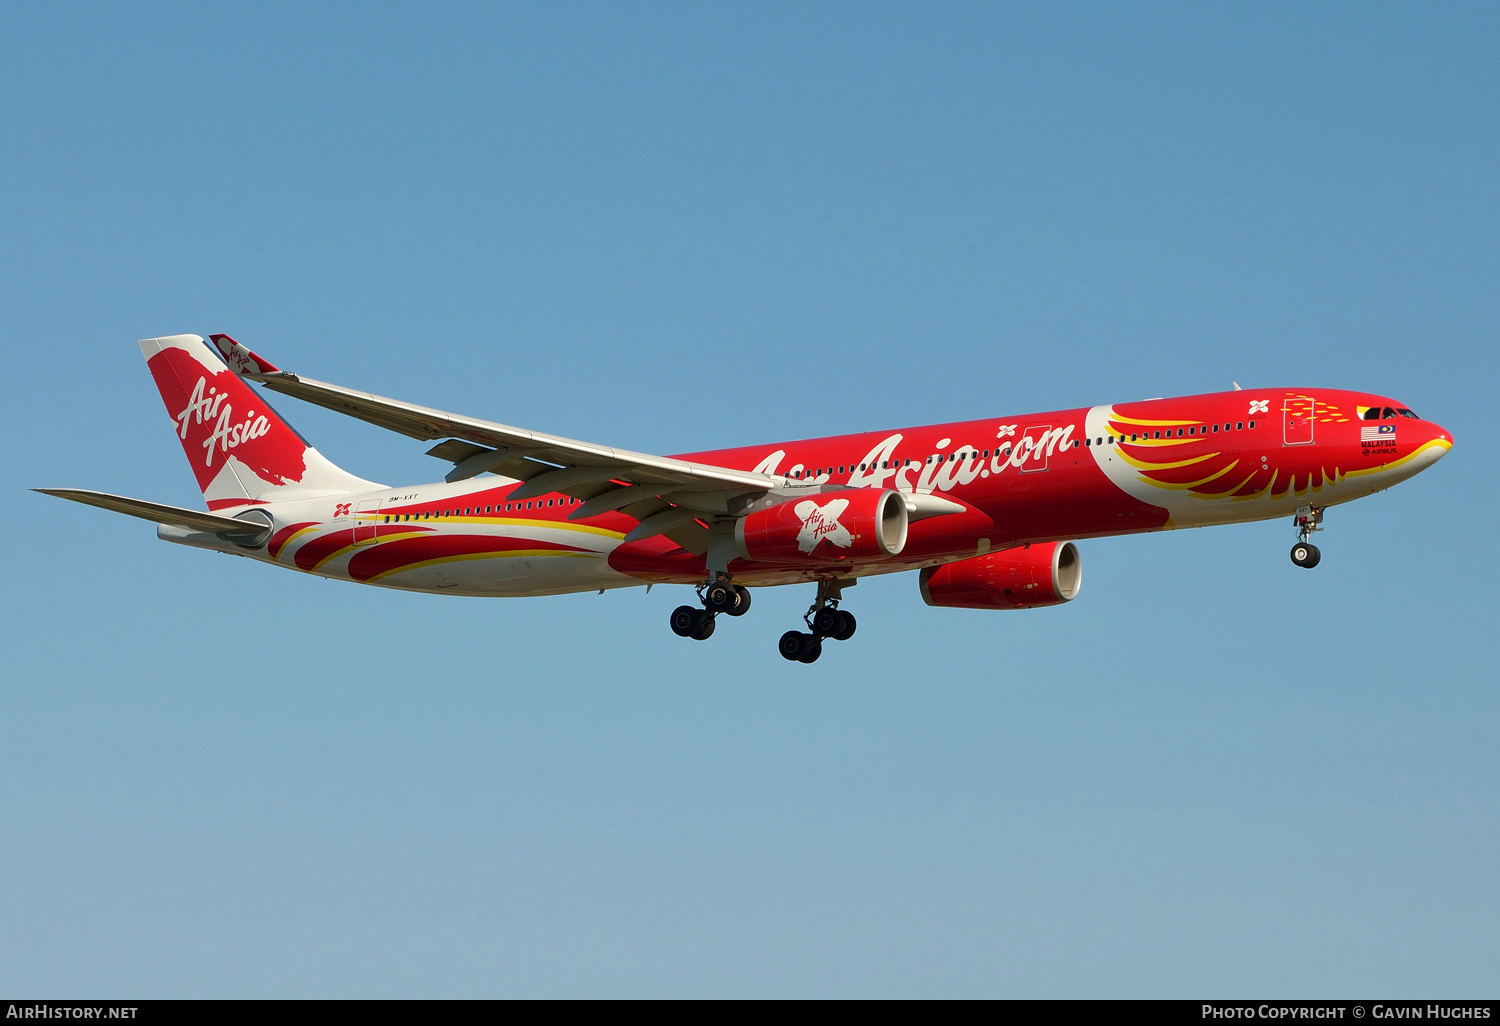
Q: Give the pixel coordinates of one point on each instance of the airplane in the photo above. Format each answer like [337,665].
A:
[987,511]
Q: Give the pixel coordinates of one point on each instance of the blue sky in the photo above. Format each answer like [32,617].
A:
[672,228]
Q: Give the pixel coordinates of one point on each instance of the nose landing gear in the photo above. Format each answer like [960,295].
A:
[824,619]
[1308,520]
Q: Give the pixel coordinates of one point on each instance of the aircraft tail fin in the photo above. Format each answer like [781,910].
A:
[240,449]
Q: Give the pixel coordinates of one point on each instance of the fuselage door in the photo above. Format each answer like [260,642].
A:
[365,521]
[1035,440]
[1297,419]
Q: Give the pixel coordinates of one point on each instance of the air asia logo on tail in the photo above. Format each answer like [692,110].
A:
[819,522]
[226,434]
[222,425]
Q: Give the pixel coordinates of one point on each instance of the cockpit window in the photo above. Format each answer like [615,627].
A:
[1385,413]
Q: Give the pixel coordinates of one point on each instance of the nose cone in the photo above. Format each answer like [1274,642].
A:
[1439,441]
[1441,435]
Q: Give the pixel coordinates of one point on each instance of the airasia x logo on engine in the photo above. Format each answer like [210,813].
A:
[204,405]
[819,522]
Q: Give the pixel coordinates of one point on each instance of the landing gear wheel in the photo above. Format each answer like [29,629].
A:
[811,650]
[685,621]
[742,606]
[827,622]
[790,645]
[846,627]
[1306,555]
[705,629]
[720,598]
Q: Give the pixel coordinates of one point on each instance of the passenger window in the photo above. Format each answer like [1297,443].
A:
[1088,442]
[1239,425]
[1192,431]
[1252,425]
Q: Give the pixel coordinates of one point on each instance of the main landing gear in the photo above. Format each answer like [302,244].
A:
[1308,519]
[825,620]
[718,595]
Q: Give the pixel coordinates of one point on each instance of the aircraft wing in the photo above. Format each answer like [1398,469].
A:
[666,495]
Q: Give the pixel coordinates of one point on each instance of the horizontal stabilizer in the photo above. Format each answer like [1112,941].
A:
[160,513]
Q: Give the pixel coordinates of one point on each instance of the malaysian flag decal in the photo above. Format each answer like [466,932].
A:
[1382,433]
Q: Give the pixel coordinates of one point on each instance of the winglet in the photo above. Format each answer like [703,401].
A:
[241,359]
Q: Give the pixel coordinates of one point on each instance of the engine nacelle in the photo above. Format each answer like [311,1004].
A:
[829,527]
[1047,574]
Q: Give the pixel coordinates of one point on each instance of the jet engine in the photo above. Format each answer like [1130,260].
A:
[1047,574]
[829,527]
